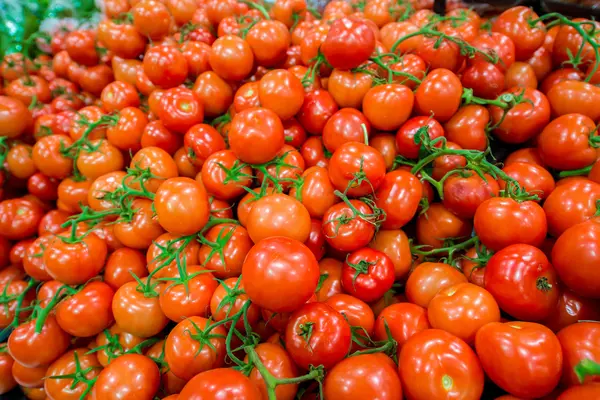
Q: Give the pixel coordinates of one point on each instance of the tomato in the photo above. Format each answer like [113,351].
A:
[405,137]
[7,381]
[403,320]
[439,95]
[286,10]
[523,358]
[349,227]
[567,41]
[101,158]
[535,179]
[572,202]
[500,222]
[278,215]
[564,143]
[190,351]
[315,191]
[398,196]
[44,188]
[75,263]
[367,274]
[280,274]
[220,383]
[19,161]
[348,88]
[130,373]
[580,392]
[29,377]
[118,95]
[571,96]
[364,376]
[465,192]
[70,363]
[578,246]
[196,54]
[428,279]
[467,127]
[10,290]
[436,364]
[215,93]
[388,106]
[113,343]
[224,250]
[515,24]
[126,306]
[19,218]
[348,44]
[31,349]
[580,341]
[522,269]
[570,309]
[158,162]
[331,273]
[151,18]
[356,169]
[224,63]
[156,135]
[317,335]
[87,312]
[181,206]
[438,223]
[256,129]
[165,66]
[228,299]
[318,107]
[122,264]
[269,41]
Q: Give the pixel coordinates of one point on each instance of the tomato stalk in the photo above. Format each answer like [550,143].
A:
[378,60]
[79,376]
[449,248]
[587,37]
[218,246]
[586,368]
[465,47]
[258,7]
[575,172]
[4,299]
[3,150]
[43,313]
[388,346]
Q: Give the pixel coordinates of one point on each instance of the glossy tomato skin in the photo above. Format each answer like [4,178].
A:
[88,312]
[522,269]
[318,107]
[126,306]
[348,44]
[394,243]
[7,381]
[278,215]
[278,362]
[580,341]
[439,94]
[467,127]
[220,383]
[523,358]
[428,278]
[436,364]
[404,320]
[182,206]
[280,274]
[463,194]
[500,222]
[439,223]
[581,392]
[67,364]
[578,246]
[399,195]
[130,373]
[366,376]
[570,96]
[346,231]
[165,66]
[330,337]
[350,162]
[253,129]
[535,179]
[514,23]
[19,218]
[387,107]
[367,274]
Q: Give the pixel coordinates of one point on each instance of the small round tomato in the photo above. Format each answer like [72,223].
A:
[151,18]
[228,299]
[403,320]
[467,127]
[281,92]
[179,109]
[256,135]
[126,306]
[189,295]
[388,106]
[349,227]
[331,273]
[7,381]
[118,95]
[49,159]
[348,88]
[158,163]
[571,96]
[435,364]
[580,341]
[428,278]
[464,192]
[58,386]
[130,373]
[348,44]
[523,358]
[280,274]
[278,215]
[201,141]
[231,58]
[220,382]
[317,334]
[367,274]
[439,95]
[224,250]
[122,264]
[165,66]
[535,179]
[99,159]
[19,218]
[190,351]
[580,246]
[216,178]
[398,195]
[356,169]
[214,92]
[279,364]
[438,223]
[522,281]
[87,312]
[14,117]
[128,132]
[182,206]
[515,24]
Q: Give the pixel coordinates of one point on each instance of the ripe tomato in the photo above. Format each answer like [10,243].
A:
[315,191]
[570,96]
[331,273]
[428,279]
[388,106]
[14,117]
[278,215]
[179,109]
[126,304]
[535,179]
[316,334]
[523,358]
[514,23]
[439,95]
[578,246]
[19,218]
[579,342]
[438,223]
[367,274]
[398,196]
[348,44]
[231,58]
[349,88]
[404,320]
[395,244]
[280,274]
[464,192]
[201,141]
[122,264]
[7,381]
[190,351]
[256,129]
[70,363]
[279,364]
[165,66]
[281,92]
[220,382]
[356,169]
[318,107]
[224,250]
[74,263]
[151,18]
[182,206]
[436,364]
[88,312]
[349,227]
[190,295]
[130,373]
[366,376]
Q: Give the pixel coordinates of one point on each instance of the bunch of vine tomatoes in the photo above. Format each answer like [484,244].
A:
[224,199]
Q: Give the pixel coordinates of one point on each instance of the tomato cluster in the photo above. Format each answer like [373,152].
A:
[223,199]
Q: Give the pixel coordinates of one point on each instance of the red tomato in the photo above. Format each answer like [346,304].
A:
[367,274]
[256,135]
[220,382]
[356,169]
[182,206]
[428,279]
[88,312]
[404,320]
[130,373]
[348,44]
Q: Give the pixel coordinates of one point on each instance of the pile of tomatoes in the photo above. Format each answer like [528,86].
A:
[224,199]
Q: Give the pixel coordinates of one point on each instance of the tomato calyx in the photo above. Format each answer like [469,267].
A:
[360,268]
[376,217]
[19,298]
[315,65]
[258,7]
[79,377]
[576,172]
[388,346]
[543,284]
[218,248]
[586,368]
[114,349]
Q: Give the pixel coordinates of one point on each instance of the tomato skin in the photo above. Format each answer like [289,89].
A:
[439,223]
[351,160]
[318,107]
[388,106]
[439,95]
[453,369]
[501,222]
[7,382]
[31,349]
[367,274]
[399,196]
[349,88]
[88,312]
[366,376]
[572,202]
[126,306]
[564,142]
[19,218]
[224,63]
[514,23]
[535,179]
[278,362]
[578,246]
[329,341]
[571,96]
[15,118]
[579,341]
[280,274]
[316,192]
[332,270]
[467,127]
[179,301]
[404,320]
[428,279]
[180,109]
[120,266]
[220,383]
[269,41]
[182,206]
[346,231]
[151,18]
[463,194]
[523,358]
[348,44]
[75,263]
[522,281]
[405,137]
[345,126]
[65,365]
[130,373]
[588,391]
[165,66]
[256,128]
[185,355]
